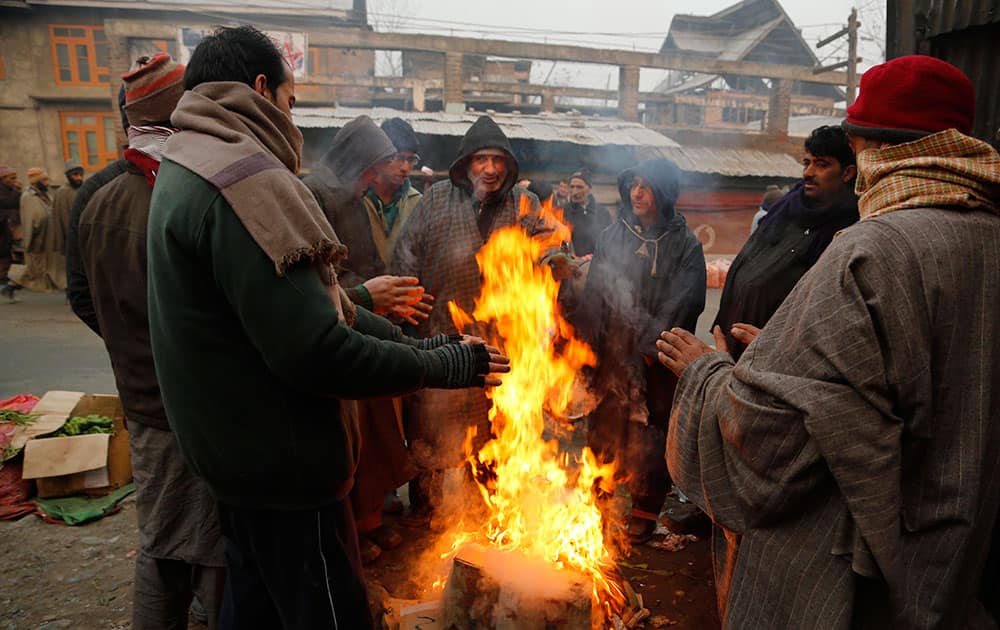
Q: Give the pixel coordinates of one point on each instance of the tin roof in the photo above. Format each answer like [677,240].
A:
[573,129]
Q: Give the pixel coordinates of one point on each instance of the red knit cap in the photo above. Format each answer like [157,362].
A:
[152,91]
[910,97]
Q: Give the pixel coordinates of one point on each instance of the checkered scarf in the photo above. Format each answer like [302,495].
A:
[945,169]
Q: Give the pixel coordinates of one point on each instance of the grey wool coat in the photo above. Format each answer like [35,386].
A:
[851,459]
[439,245]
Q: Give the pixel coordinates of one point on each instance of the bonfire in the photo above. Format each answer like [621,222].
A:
[541,506]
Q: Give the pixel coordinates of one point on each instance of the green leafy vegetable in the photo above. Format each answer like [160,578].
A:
[84,425]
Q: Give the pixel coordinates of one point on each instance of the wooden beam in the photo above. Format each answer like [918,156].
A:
[358,38]
[364,39]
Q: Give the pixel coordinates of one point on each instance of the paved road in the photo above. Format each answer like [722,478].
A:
[44,346]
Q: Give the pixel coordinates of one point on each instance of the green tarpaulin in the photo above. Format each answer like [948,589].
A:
[77,510]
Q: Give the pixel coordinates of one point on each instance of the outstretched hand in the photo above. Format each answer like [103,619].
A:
[499,364]
[679,348]
[401,296]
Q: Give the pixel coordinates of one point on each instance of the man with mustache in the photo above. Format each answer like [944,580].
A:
[790,238]
[850,460]
[453,220]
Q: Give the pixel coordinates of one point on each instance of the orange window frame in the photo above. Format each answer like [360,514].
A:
[79,54]
[321,61]
[3,70]
[90,137]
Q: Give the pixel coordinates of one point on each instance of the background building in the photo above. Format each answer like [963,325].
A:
[61,63]
[752,31]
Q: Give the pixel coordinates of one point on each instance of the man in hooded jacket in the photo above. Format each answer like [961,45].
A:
[359,153]
[648,270]
[453,220]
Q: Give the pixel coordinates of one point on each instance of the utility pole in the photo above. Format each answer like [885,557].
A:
[852,56]
[851,30]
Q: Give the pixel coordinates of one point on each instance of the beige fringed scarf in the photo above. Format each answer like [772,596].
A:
[945,169]
[250,150]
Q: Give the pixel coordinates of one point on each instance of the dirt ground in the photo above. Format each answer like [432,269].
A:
[56,576]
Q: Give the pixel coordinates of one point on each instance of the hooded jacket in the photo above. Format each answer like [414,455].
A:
[641,282]
[358,146]
[484,134]
[438,245]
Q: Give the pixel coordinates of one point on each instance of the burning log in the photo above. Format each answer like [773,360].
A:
[489,588]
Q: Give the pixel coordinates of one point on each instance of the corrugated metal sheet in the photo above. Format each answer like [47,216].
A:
[573,129]
[965,33]
[734,162]
[940,17]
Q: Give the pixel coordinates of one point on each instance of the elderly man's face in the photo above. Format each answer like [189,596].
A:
[578,190]
[9,179]
[487,171]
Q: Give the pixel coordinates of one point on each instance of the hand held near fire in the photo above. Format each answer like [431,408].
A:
[399,295]
[498,364]
[679,348]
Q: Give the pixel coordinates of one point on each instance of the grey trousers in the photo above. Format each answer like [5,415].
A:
[163,591]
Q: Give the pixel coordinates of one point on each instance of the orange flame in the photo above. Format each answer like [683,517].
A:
[536,503]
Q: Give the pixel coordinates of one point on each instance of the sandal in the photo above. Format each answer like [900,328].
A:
[369,550]
[385,537]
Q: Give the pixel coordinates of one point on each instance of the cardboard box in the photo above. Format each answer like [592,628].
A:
[81,464]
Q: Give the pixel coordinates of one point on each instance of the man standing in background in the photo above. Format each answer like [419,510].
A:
[10,215]
[585,216]
[180,545]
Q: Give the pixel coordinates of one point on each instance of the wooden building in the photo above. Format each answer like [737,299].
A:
[751,31]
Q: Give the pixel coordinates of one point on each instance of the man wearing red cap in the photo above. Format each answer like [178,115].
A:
[850,459]
[180,545]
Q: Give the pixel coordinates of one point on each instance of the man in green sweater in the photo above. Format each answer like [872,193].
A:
[256,345]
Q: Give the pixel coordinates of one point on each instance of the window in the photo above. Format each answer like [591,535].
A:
[80,54]
[90,137]
[322,60]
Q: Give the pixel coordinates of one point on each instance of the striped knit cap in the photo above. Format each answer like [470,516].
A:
[152,91]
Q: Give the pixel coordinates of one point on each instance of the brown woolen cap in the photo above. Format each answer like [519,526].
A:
[152,91]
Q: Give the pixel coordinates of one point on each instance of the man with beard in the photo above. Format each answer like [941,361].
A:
[790,238]
[63,198]
[850,459]
[453,220]
[10,216]
[585,216]
[256,345]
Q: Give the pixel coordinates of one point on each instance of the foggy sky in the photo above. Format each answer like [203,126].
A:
[623,24]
